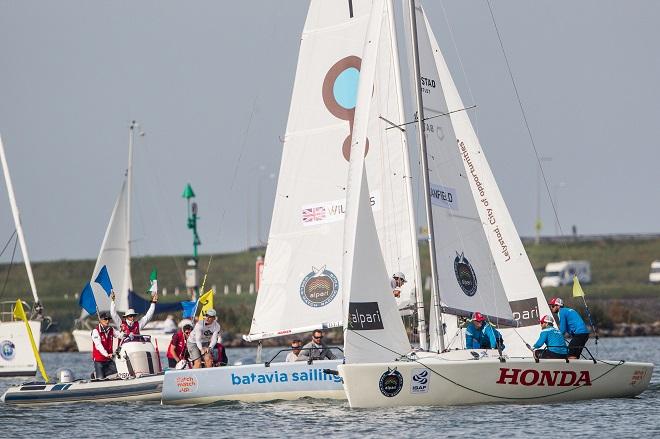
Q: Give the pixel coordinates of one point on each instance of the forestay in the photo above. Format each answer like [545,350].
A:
[302,280]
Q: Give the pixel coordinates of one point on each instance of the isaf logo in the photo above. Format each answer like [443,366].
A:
[319,287]
[391,382]
[465,275]
[7,350]
[420,381]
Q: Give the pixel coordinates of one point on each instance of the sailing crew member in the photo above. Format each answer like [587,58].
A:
[572,324]
[129,326]
[316,349]
[398,279]
[552,339]
[480,334]
[102,338]
[293,355]
[177,351]
[205,334]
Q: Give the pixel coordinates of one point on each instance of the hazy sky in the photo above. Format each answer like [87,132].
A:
[210,82]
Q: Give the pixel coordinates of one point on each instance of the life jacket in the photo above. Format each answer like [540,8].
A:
[179,343]
[106,341]
[127,329]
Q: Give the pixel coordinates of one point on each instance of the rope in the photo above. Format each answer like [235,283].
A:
[513,398]
[11,263]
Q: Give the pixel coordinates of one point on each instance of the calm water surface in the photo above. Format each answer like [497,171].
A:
[638,417]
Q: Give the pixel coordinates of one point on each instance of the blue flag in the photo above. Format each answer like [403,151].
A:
[103,279]
[87,301]
[188,309]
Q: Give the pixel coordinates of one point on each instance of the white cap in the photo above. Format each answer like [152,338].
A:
[399,275]
[130,312]
[211,313]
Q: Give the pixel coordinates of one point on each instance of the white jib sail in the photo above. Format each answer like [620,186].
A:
[115,255]
[373,330]
[302,278]
[515,271]
[467,276]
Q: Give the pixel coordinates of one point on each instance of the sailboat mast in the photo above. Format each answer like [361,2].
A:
[419,292]
[17,222]
[425,172]
[129,190]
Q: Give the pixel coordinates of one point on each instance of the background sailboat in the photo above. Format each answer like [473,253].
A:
[115,255]
[16,355]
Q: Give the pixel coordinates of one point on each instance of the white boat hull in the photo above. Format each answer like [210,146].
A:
[443,381]
[253,383]
[146,388]
[16,356]
[83,339]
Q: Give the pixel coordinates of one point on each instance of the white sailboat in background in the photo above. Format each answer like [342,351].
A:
[16,355]
[379,372]
[115,254]
[303,279]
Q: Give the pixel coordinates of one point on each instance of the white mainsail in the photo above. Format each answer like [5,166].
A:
[373,331]
[302,280]
[515,271]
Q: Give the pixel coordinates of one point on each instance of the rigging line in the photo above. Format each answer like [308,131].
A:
[238,162]
[460,59]
[11,264]
[526,398]
[524,115]
[8,242]
[426,118]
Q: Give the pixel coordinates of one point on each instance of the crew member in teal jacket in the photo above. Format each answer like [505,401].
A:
[480,334]
[552,339]
[572,324]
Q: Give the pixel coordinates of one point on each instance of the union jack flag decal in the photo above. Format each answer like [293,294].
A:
[313,214]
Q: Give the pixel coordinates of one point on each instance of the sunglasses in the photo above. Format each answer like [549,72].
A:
[295,347]
[317,337]
[104,318]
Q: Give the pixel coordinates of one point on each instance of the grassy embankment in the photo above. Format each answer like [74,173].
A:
[620,291]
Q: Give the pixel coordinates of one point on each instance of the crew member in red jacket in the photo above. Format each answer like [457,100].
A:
[177,350]
[129,325]
[102,338]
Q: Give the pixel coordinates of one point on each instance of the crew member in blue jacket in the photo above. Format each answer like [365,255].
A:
[572,324]
[480,334]
[552,339]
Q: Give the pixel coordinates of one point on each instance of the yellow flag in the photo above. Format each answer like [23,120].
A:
[19,314]
[206,302]
[577,288]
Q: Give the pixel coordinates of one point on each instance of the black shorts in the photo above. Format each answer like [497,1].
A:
[102,369]
[578,341]
[171,362]
[545,353]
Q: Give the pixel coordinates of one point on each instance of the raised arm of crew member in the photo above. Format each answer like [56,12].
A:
[150,312]
[113,313]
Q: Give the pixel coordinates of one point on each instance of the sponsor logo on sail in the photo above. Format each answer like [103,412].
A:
[7,350]
[364,316]
[332,211]
[526,311]
[550,378]
[420,381]
[444,197]
[465,275]
[339,93]
[391,382]
[319,287]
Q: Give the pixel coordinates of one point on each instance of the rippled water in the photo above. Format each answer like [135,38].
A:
[638,417]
